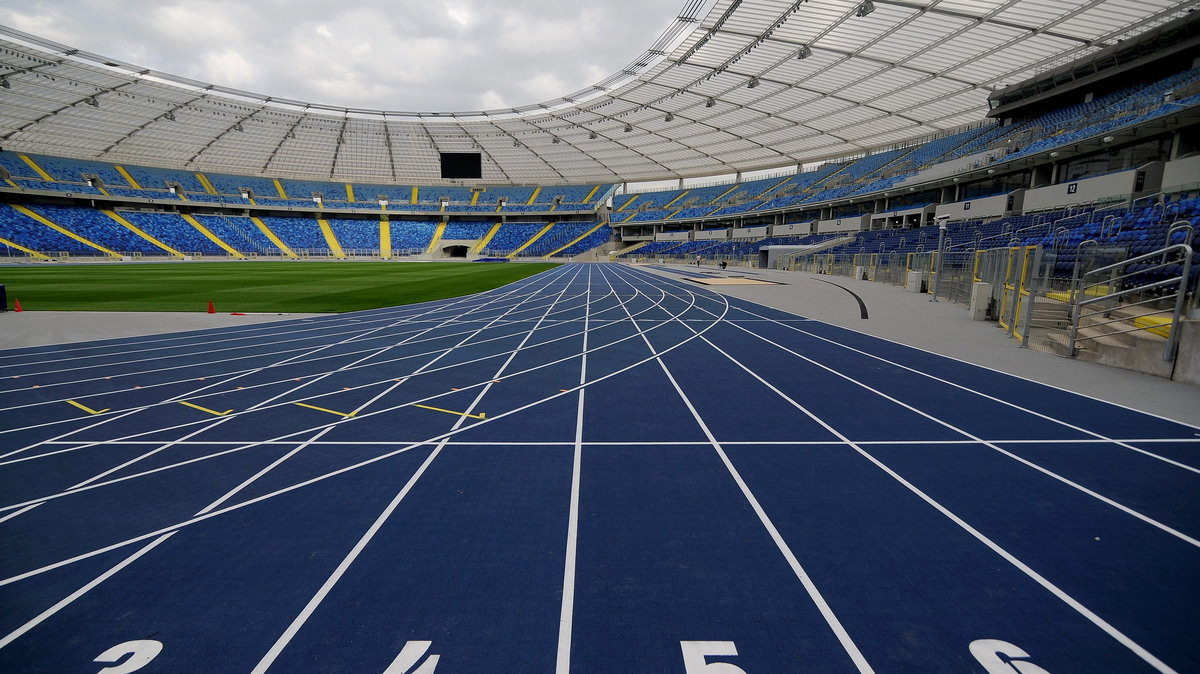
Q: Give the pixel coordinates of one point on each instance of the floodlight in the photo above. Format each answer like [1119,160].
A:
[710,103]
[669,118]
[628,128]
[4,83]
[752,83]
[592,135]
[804,52]
[170,116]
[865,8]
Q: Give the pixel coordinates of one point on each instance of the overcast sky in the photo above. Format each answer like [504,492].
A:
[428,55]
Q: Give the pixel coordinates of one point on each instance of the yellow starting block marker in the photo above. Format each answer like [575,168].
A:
[322,409]
[461,414]
[87,409]
[204,409]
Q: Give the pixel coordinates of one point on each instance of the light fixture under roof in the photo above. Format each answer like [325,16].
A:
[752,83]
[865,8]
[628,128]
[592,136]
[669,118]
[805,52]
[4,83]
[710,102]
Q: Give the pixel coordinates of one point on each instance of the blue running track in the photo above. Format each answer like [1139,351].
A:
[598,469]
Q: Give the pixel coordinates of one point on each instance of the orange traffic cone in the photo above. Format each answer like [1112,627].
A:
[211,309]
[17,305]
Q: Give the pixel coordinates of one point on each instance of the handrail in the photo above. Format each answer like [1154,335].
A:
[1180,295]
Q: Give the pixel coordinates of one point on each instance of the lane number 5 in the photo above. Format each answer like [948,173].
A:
[695,654]
[996,657]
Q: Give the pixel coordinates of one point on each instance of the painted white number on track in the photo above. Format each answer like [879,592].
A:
[696,652]
[995,656]
[409,655]
[140,654]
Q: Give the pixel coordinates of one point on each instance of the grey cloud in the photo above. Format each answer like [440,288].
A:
[405,54]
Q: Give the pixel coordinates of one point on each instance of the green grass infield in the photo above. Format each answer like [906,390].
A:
[292,287]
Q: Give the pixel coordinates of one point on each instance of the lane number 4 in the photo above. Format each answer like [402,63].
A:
[696,654]
[997,658]
[412,652]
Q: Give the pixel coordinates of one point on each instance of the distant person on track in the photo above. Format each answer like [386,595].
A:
[724,264]
[697,260]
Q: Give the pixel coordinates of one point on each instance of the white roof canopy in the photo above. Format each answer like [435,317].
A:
[724,89]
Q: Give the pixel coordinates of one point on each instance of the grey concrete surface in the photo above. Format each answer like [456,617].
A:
[42,328]
[946,329]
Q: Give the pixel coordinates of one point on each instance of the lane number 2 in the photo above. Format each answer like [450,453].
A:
[140,654]
[696,654]
[997,658]
[412,652]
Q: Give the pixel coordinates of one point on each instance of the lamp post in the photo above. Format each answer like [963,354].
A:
[941,249]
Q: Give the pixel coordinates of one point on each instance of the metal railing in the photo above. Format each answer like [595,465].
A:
[1102,290]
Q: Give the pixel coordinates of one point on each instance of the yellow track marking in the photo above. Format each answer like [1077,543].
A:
[461,414]
[205,409]
[87,409]
[322,409]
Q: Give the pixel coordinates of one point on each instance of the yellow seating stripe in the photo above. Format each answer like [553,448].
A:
[349,193]
[137,230]
[486,238]
[591,194]
[475,197]
[211,237]
[723,194]
[577,240]
[626,204]
[14,244]
[36,169]
[672,202]
[128,178]
[437,237]
[208,186]
[330,238]
[533,238]
[28,213]
[533,197]
[279,189]
[385,238]
[413,199]
[272,237]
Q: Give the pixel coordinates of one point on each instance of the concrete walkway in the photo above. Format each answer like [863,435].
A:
[42,328]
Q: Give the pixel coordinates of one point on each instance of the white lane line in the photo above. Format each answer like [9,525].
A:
[198,394]
[810,587]
[268,401]
[258,443]
[204,512]
[1038,578]
[320,478]
[638,443]
[85,444]
[566,615]
[1045,471]
[258,406]
[358,335]
[302,617]
[41,617]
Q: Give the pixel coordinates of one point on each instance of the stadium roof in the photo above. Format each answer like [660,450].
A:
[731,85]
